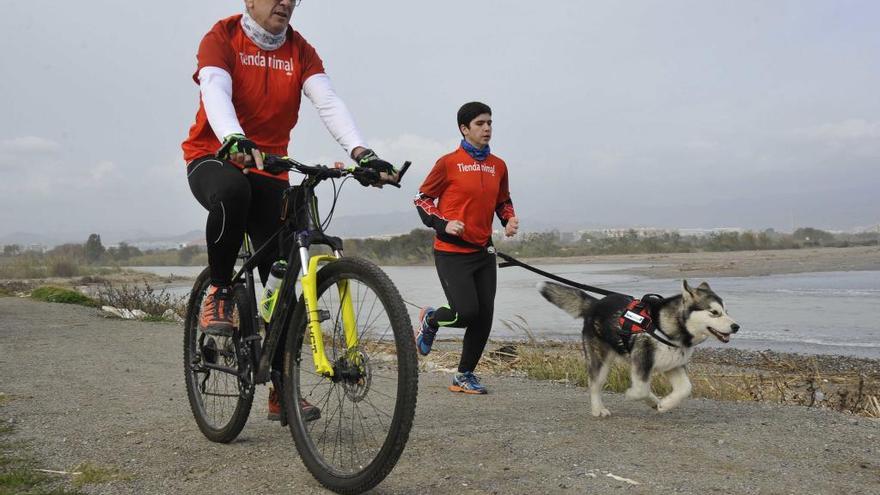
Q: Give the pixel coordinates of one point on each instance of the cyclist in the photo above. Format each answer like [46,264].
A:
[253,69]
[457,200]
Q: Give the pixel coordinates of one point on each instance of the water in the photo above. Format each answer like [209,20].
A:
[818,313]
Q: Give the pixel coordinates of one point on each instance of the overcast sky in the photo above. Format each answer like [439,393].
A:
[667,113]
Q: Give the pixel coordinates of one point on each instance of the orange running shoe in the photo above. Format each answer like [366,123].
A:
[216,315]
[310,412]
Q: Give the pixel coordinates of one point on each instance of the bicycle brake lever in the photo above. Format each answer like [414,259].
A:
[400,175]
[403,171]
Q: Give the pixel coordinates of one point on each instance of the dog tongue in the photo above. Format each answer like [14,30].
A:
[720,336]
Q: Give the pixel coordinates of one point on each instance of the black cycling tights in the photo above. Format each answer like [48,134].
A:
[235,202]
[469,282]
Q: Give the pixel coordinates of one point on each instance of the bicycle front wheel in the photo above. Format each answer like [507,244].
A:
[367,408]
[217,368]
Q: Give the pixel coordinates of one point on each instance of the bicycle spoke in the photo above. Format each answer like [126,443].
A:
[330,419]
[362,406]
[219,398]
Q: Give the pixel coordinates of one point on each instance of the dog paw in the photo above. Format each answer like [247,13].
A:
[664,406]
[601,413]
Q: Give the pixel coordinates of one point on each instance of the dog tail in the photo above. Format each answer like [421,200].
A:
[573,301]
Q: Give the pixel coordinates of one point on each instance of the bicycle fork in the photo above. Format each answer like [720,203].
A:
[309,282]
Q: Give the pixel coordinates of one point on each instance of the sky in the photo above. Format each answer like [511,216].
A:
[662,113]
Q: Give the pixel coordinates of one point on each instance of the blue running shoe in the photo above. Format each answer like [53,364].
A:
[425,337]
[467,383]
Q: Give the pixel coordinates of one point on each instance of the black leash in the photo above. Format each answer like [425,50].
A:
[511,261]
[652,329]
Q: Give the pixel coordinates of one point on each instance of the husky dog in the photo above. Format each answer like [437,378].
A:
[688,319]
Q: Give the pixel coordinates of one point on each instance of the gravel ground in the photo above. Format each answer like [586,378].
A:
[84,388]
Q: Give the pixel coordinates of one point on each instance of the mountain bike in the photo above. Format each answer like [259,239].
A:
[348,348]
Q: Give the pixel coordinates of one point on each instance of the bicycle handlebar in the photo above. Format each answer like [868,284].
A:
[276,164]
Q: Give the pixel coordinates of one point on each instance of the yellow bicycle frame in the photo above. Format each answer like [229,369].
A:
[309,282]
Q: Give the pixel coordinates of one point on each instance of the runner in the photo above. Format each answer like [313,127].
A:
[458,199]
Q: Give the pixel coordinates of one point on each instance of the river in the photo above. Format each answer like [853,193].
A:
[813,313]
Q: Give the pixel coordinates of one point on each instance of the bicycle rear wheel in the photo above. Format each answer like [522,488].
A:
[218,370]
[367,409]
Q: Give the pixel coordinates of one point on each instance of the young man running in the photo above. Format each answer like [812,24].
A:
[458,199]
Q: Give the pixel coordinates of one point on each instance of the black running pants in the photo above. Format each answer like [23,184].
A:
[469,281]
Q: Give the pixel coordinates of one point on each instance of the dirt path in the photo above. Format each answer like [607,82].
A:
[85,388]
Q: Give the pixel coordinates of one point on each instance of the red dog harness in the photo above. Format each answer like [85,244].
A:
[637,319]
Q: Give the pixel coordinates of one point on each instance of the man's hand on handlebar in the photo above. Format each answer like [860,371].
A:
[241,150]
[385,172]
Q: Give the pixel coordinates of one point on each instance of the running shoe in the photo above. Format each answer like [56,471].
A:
[310,412]
[216,315]
[425,337]
[467,383]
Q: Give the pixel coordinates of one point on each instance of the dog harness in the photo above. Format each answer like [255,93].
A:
[636,319]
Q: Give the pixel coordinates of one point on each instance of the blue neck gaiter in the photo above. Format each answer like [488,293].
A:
[476,153]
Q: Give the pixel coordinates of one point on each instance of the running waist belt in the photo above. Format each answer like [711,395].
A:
[458,241]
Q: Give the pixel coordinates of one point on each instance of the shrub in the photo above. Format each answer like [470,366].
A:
[145,298]
[22,267]
[59,266]
[61,295]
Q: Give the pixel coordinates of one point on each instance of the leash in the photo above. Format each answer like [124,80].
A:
[651,329]
[511,261]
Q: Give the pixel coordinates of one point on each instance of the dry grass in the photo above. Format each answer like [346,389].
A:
[791,382]
[32,266]
[89,473]
[144,297]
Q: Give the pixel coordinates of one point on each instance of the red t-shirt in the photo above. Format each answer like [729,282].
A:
[266,87]
[469,191]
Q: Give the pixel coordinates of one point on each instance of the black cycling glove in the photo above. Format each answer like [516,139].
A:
[370,159]
[236,143]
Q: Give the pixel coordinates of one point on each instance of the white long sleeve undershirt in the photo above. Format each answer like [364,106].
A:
[333,112]
[216,88]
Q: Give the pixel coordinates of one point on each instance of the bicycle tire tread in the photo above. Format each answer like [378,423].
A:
[374,473]
[242,411]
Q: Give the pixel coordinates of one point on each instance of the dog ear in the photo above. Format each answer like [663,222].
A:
[686,291]
[704,286]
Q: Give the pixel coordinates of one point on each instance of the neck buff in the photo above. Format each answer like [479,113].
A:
[262,38]
[476,153]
